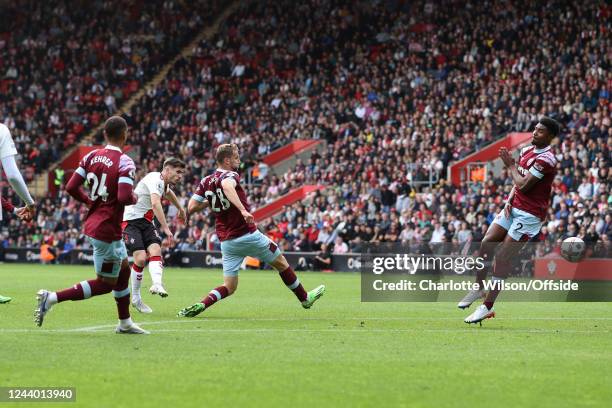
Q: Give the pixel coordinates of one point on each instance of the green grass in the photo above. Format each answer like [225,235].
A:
[260,348]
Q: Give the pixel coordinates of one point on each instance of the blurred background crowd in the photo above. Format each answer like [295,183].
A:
[396,90]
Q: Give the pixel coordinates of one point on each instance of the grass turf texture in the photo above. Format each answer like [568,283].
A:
[260,348]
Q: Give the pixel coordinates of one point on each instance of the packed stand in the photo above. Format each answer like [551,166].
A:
[397,93]
[426,92]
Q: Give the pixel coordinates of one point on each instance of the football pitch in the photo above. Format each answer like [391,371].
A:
[260,348]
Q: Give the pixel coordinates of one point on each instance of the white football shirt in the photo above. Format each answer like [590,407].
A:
[152,183]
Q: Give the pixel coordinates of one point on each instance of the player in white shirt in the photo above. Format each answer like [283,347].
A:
[140,233]
[7,158]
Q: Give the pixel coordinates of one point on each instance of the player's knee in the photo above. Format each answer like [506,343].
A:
[490,238]
[231,289]
[280,263]
[504,254]
[154,250]
[140,259]
[486,248]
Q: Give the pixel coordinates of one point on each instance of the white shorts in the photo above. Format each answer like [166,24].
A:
[521,225]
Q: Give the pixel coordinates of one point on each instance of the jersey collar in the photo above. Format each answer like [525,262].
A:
[111,147]
[536,150]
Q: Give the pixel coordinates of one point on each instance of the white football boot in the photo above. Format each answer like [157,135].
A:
[158,290]
[471,297]
[41,306]
[139,305]
[133,329]
[479,315]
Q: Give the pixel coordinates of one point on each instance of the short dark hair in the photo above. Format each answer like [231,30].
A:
[174,162]
[114,127]
[224,151]
[551,125]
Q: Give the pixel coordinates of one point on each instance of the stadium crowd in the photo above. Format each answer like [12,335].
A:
[397,90]
[66,64]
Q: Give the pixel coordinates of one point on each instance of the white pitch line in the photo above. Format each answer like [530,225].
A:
[333,319]
[364,330]
[239,319]
[99,328]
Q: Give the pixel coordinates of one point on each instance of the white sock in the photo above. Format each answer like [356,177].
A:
[125,323]
[51,300]
[156,269]
[136,278]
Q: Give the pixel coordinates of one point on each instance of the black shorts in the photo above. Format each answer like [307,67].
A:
[139,234]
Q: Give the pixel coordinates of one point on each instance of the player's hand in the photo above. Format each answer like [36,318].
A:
[24,214]
[182,215]
[506,157]
[248,217]
[169,236]
[29,212]
[507,210]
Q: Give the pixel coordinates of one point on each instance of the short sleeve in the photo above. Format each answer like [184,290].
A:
[127,170]
[200,191]
[7,145]
[154,184]
[82,169]
[542,166]
[232,175]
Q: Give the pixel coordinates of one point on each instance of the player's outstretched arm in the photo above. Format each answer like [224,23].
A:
[75,188]
[16,180]
[196,204]
[229,188]
[22,212]
[158,210]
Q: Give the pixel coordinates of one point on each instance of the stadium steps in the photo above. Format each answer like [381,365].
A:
[284,158]
[490,153]
[277,206]
[40,185]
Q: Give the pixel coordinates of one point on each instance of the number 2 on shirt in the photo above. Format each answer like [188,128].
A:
[98,187]
[225,204]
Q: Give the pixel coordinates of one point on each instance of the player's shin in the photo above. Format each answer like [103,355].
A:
[292,282]
[497,280]
[156,269]
[80,291]
[487,251]
[215,295]
[136,278]
[121,293]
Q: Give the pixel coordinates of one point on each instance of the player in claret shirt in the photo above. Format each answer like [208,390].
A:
[110,176]
[222,192]
[521,218]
